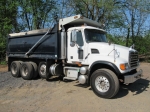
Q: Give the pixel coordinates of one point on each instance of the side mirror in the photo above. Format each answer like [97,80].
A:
[73,36]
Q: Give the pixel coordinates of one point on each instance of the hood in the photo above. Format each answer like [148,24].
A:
[110,50]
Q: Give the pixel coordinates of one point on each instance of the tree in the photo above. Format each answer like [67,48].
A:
[102,11]
[64,9]
[8,22]
[34,14]
[134,15]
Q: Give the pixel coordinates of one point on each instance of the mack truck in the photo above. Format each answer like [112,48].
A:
[75,48]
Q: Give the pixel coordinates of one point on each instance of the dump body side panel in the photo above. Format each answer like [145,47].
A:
[47,48]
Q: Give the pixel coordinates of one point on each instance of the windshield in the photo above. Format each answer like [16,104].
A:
[93,35]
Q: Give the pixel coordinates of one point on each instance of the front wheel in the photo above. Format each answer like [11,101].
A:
[104,83]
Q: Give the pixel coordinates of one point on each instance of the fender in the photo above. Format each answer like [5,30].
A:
[102,64]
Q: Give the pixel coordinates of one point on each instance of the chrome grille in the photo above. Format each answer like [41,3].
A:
[133,59]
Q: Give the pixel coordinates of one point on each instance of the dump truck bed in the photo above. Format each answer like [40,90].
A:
[20,43]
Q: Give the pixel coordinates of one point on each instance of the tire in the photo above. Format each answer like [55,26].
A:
[42,71]
[35,70]
[15,68]
[104,83]
[26,70]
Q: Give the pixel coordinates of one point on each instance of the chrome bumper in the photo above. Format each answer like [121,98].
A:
[132,78]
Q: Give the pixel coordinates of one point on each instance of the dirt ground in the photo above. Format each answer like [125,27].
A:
[54,95]
[3,68]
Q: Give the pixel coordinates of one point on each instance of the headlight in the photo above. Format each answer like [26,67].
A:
[124,66]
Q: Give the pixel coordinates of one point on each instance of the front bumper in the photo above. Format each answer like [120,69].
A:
[132,78]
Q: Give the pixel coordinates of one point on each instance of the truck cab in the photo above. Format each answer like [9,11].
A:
[88,47]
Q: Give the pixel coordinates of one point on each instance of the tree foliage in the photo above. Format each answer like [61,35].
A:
[134,16]
[34,14]
[101,11]
[8,22]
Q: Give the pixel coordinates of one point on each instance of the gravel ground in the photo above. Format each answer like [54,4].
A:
[54,95]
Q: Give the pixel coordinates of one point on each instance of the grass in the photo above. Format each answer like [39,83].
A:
[3,62]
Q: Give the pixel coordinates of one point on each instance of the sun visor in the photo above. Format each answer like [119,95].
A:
[78,20]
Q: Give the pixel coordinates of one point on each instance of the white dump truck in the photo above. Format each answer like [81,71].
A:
[76,48]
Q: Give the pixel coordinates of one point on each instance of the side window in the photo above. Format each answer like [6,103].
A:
[79,38]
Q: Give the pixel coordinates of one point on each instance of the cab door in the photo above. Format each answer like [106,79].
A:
[75,46]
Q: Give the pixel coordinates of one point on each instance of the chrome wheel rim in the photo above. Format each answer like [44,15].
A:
[43,70]
[102,84]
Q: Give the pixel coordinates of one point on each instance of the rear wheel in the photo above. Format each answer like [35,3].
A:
[35,69]
[43,70]
[26,70]
[104,83]
[15,68]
